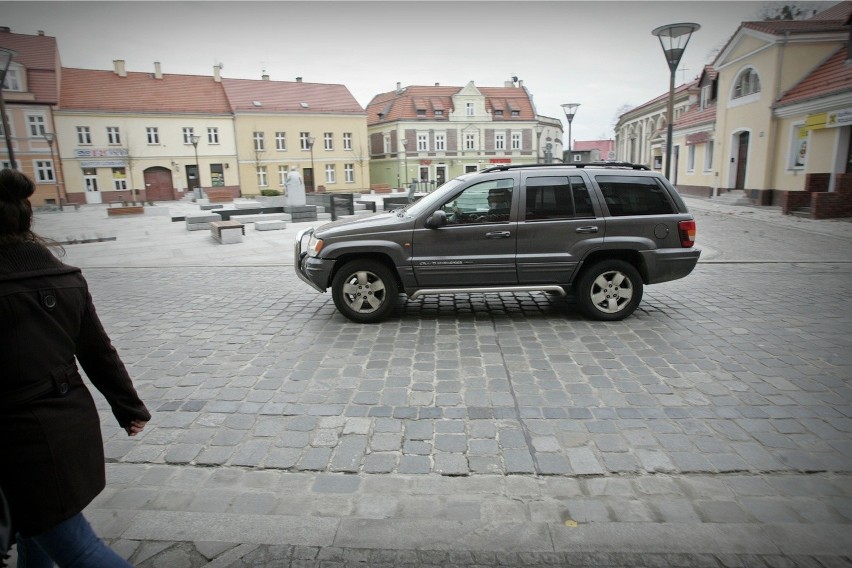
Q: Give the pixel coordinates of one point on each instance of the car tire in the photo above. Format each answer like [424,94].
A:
[365,291]
[609,290]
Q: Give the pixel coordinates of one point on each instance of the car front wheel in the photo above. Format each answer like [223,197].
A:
[609,290]
[364,291]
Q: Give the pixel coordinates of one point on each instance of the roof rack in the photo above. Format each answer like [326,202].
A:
[603,164]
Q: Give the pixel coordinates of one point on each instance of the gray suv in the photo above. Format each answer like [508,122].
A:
[598,231]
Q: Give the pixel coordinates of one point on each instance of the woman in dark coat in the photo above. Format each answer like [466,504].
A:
[51,450]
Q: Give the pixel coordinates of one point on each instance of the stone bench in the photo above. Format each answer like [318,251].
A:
[209,206]
[227,232]
[219,195]
[201,221]
[247,204]
[272,225]
[254,218]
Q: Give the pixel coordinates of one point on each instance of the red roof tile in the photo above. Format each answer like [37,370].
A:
[40,56]
[781,27]
[400,105]
[696,116]
[605,146]
[840,11]
[830,78]
[285,96]
[94,90]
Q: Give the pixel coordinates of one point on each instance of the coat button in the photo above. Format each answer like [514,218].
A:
[63,389]
[50,301]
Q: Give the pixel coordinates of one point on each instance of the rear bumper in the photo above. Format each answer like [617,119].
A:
[663,265]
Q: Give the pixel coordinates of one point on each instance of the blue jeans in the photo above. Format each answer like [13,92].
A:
[70,544]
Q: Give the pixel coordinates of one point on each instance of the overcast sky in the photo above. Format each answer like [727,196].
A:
[599,54]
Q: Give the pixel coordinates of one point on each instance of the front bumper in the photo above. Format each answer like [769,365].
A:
[313,271]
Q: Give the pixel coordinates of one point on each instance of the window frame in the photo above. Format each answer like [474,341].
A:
[347,141]
[212,135]
[262,176]
[45,171]
[281,141]
[188,133]
[330,173]
[113,135]
[349,173]
[258,141]
[422,141]
[84,135]
[328,141]
[36,125]
[152,134]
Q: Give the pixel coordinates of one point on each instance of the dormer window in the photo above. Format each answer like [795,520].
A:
[13,80]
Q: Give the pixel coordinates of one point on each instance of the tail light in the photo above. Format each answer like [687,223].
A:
[687,233]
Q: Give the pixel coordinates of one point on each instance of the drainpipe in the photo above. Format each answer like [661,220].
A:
[773,127]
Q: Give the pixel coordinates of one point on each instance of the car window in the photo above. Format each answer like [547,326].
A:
[486,202]
[634,195]
[557,197]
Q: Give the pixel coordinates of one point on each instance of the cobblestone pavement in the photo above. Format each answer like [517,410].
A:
[712,428]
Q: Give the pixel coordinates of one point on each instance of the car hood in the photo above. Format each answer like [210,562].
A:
[360,224]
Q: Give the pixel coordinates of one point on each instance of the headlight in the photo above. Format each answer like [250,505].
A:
[314,246]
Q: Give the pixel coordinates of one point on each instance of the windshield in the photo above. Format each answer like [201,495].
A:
[433,200]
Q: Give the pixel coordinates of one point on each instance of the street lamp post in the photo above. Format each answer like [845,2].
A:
[673,39]
[6,56]
[193,139]
[311,141]
[50,137]
[570,110]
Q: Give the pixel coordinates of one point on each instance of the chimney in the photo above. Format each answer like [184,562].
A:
[40,32]
[5,29]
[158,73]
[520,83]
[265,77]
[217,73]
[298,79]
[119,67]
[437,84]
[398,86]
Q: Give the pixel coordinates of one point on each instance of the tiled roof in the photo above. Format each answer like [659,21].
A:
[403,104]
[678,91]
[832,77]
[840,11]
[281,96]
[696,116]
[782,27]
[605,146]
[95,90]
[40,56]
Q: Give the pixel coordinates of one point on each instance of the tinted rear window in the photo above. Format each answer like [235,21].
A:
[629,195]
[557,197]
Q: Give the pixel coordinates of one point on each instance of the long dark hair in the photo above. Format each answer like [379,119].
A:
[16,211]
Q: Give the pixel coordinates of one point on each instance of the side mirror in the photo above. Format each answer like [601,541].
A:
[437,219]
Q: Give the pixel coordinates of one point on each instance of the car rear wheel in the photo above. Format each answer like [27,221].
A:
[364,291]
[609,290]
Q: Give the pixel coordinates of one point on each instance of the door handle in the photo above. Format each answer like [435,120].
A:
[498,235]
[587,229]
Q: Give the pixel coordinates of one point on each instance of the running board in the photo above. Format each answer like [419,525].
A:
[558,290]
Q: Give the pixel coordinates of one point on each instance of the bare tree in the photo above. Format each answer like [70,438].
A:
[360,157]
[789,10]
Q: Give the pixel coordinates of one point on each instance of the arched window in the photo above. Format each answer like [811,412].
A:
[747,83]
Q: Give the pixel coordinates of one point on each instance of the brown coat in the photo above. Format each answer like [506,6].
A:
[51,450]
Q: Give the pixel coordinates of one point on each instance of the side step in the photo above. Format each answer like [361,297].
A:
[558,290]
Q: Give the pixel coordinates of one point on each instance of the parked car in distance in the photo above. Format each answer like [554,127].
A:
[601,231]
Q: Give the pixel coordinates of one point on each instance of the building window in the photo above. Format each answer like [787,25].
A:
[258,141]
[422,142]
[469,109]
[498,112]
[119,179]
[12,81]
[349,172]
[516,113]
[798,147]
[113,135]
[329,173]
[748,83]
[280,141]
[469,141]
[578,157]
[441,142]
[328,141]
[153,134]
[36,125]
[188,132]
[44,171]
[213,135]
[500,141]
[386,144]
[304,140]
[84,135]
[708,156]
[439,112]
[516,141]
[347,140]
[282,175]
[261,176]
[217,175]
[690,158]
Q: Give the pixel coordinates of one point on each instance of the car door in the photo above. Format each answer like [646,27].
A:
[476,247]
[560,222]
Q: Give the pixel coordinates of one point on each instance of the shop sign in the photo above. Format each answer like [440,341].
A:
[839,118]
[103,164]
[500,160]
[100,153]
